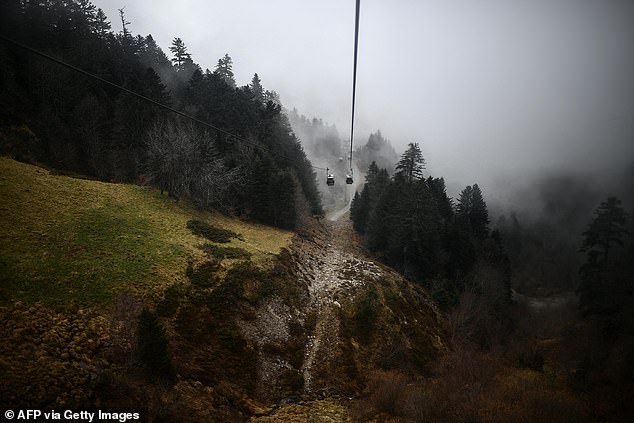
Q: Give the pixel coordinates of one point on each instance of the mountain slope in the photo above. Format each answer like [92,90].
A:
[73,240]
[263,326]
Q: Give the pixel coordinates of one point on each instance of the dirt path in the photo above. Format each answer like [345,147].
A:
[339,268]
[332,263]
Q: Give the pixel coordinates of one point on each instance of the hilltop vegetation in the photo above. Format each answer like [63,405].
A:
[249,162]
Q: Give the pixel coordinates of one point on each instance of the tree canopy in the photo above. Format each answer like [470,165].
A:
[412,163]
[82,125]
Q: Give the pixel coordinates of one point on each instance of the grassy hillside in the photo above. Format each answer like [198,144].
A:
[73,241]
[114,295]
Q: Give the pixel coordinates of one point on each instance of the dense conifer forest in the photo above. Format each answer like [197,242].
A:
[54,115]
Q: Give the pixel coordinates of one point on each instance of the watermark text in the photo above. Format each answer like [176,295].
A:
[71,415]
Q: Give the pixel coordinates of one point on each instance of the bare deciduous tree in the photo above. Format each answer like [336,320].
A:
[184,161]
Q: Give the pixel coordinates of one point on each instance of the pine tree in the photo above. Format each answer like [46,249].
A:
[152,55]
[86,11]
[472,213]
[377,149]
[282,196]
[101,25]
[498,256]
[373,171]
[153,87]
[479,215]
[412,163]
[465,202]
[256,88]
[196,91]
[605,230]
[224,69]
[606,280]
[376,180]
[125,37]
[354,207]
[181,56]
[439,191]
[360,209]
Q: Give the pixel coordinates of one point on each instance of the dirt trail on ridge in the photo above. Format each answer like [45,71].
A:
[338,267]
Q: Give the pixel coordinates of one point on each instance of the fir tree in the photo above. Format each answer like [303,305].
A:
[472,212]
[465,202]
[152,55]
[256,88]
[479,215]
[125,37]
[606,229]
[101,24]
[606,275]
[224,69]
[273,97]
[360,209]
[443,202]
[181,56]
[412,163]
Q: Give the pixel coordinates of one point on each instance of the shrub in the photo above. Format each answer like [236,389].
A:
[387,388]
[20,143]
[211,232]
[225,296]
[366,315]
[226,252]
[203,275]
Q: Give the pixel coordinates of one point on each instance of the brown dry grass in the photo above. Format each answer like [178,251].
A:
[473,388]
[320,411]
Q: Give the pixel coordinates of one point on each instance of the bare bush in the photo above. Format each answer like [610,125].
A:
[387,389]
[184,161]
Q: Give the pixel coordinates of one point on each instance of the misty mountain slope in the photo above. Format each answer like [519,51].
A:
[266,318]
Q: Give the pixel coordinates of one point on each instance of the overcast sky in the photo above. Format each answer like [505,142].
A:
[495,91]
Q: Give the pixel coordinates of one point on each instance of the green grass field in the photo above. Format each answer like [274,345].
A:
[74,241]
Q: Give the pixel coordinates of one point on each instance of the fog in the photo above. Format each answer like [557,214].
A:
[496,92]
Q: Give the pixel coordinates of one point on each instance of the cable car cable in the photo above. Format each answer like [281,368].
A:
[354,75]
[142,97]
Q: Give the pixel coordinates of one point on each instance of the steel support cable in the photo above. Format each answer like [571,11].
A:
[354,75]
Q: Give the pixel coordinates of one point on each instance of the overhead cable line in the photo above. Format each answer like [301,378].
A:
[142,97]
[354,75]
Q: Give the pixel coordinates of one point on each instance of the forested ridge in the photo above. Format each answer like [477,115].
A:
[578,329]
[419,307]
[411,222]
[54,115]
